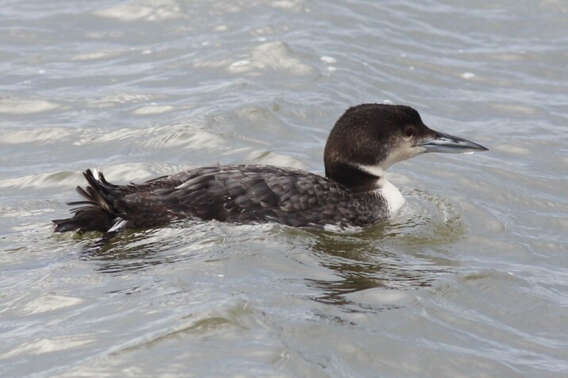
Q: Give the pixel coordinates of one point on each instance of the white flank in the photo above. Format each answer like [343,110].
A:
[392,196]
[387,190]
[118,224]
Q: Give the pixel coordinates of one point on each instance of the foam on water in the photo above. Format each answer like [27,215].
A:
[275,56]
[17,106]
[49,302]
[154,10]
[45,346]
[153,109]
[42,135]
[120,98]
[97,55]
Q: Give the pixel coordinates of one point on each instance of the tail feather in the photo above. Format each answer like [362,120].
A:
[96,212]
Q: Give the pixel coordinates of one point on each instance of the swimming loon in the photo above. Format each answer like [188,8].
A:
[365,141]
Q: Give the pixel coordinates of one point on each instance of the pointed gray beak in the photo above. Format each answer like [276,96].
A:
[441,142]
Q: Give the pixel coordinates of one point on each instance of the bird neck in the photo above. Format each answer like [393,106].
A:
[359,178]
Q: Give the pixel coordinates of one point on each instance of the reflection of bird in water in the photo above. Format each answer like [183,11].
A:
[361,264]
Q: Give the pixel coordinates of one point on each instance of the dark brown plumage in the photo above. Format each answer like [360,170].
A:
[365,141]
[234,193]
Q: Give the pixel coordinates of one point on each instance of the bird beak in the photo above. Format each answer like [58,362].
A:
[440,142]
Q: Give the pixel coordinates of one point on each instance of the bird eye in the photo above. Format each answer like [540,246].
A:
[409,132]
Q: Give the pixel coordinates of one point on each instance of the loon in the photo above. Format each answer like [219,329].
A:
[365,141]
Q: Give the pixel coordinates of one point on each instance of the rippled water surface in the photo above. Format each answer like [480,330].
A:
[470,279]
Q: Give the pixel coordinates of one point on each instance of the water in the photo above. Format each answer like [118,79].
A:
[470,279]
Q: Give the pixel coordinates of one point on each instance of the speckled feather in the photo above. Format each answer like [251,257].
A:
[234,193]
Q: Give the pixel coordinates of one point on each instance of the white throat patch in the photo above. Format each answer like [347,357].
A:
[374,170]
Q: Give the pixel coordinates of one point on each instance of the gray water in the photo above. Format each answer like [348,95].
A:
[470,279]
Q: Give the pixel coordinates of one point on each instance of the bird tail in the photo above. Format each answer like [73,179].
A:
[97,212]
